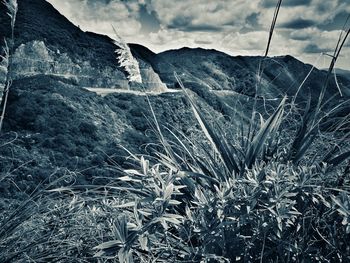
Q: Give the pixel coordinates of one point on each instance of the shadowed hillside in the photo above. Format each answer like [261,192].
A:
[219,71]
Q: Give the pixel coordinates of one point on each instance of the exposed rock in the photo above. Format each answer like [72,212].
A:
[34,58]
[150,79]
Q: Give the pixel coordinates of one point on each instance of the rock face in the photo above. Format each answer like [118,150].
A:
[34,58]
[150,79]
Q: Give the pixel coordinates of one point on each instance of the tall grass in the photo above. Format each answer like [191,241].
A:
[12,8]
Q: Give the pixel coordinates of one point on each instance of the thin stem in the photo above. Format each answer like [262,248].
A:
[261,68]
[12,7]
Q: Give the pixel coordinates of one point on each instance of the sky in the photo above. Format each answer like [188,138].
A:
[305,29]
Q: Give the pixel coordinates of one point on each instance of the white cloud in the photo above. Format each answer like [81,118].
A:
[198,12]
[232,26]
[99,17]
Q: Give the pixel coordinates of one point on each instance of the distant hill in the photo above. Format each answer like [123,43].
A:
[219,71]
[344,73]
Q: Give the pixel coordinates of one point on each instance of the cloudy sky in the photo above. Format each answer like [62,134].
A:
[305,28]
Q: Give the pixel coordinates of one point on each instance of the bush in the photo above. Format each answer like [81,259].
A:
[291,213]
[267,195]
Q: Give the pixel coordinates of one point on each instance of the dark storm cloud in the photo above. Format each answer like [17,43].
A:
[252,20]
[185,23]
[298,36]
[149,18]
[326,6]
[202,28]
[272,3]
[195,28]
[104,2]
[251,23]
[180,22]
[298,24]
[335,23]
[313,48]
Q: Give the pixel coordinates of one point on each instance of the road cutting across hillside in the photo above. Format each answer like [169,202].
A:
[105,91]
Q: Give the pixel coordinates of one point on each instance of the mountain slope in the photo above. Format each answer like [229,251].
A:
[219,71]
[37,20]
[344,73]
[229,83]
[48,43]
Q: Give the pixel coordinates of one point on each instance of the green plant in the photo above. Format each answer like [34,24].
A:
[252,199]
[292,214]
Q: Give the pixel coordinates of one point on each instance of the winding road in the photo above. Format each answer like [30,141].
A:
[105,91]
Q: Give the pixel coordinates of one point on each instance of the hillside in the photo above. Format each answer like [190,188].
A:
[219,71]
[49,43]
[343,73]
[58,127]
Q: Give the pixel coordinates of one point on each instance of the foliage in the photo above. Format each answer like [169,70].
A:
[126,59]
[292,213]
[245,199]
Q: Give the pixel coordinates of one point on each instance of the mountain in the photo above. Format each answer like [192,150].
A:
[49,43]
[344,73]
[54,125]
[219,71]
[227,82]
